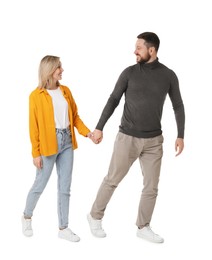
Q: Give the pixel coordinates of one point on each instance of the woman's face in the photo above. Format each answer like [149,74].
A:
[57,75]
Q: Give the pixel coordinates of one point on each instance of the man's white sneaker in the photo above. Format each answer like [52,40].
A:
[148,234]
[67,234]
[96,227]
[27,226]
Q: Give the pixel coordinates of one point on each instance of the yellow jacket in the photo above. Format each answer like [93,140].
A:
[42,124]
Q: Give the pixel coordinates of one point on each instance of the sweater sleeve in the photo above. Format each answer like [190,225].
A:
[114,99]
[178,106]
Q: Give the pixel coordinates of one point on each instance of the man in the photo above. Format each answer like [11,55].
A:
[145,86]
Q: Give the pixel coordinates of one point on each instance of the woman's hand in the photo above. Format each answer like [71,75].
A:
[38,162]
[96,136]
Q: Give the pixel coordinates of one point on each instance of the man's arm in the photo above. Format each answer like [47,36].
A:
[114,99]
[179,111]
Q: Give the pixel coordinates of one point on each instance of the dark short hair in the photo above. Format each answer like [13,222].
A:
[151,39]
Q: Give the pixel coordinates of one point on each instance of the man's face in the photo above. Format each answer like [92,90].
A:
[141,51]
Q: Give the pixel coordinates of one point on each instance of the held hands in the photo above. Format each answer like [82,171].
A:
[96,136]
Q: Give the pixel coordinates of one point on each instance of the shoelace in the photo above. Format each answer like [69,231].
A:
[149,228]
[28,225]
[97,224]
[72,233]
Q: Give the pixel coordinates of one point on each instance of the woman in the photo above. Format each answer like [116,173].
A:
[52,118]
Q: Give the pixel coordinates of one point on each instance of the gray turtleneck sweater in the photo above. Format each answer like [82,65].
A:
[145,86]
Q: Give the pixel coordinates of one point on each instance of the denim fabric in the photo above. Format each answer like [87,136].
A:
[64,165]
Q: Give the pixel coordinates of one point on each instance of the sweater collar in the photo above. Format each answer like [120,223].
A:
[150,65]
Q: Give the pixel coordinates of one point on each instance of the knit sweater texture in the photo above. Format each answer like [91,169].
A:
[145,86]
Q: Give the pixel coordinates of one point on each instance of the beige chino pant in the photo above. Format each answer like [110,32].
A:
[127,149]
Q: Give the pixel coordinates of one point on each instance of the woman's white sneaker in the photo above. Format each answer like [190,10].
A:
[96,227]
[67,234]
[27,226]
[148,234]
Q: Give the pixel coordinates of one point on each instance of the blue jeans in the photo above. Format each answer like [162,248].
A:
[64,165]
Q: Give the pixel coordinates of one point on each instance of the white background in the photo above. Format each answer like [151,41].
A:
[95,40]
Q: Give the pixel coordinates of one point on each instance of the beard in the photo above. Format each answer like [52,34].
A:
[143,59]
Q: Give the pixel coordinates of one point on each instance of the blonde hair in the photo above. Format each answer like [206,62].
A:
[47,67]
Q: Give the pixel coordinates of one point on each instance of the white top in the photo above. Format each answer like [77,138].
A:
[60,106]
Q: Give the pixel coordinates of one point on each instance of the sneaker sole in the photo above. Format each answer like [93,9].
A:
[63,237]
[150,240]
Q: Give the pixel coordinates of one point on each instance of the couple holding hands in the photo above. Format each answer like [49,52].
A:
[53,117]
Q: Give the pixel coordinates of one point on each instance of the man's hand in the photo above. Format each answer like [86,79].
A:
[97,136]
[179,145]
